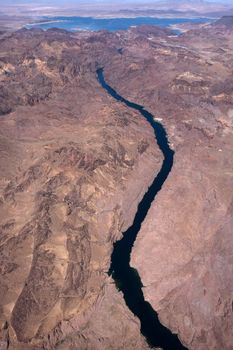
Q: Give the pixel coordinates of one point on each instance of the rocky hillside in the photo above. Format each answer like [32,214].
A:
[74,165]
[184,249]
[226,21]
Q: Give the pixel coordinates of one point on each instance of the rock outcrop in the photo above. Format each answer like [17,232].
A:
[74,165]
[184,249]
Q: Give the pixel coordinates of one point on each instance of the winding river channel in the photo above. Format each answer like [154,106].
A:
[126,278]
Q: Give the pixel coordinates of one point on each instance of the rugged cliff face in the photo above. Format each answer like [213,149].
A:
[75,164]
[184,249]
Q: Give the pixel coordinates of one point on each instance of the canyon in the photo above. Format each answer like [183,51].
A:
[74,166]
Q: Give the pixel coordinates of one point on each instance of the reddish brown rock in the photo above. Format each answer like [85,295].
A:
[71,163]
[184,249]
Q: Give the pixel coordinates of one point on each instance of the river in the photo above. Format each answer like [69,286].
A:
[126,278]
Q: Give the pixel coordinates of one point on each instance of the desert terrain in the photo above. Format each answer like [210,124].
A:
[74,166]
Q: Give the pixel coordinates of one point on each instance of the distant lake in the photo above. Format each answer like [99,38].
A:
[112,24]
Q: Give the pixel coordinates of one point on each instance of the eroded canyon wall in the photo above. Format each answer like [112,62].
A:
[74,165]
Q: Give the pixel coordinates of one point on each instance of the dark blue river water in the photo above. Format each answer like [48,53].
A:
[126,278]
